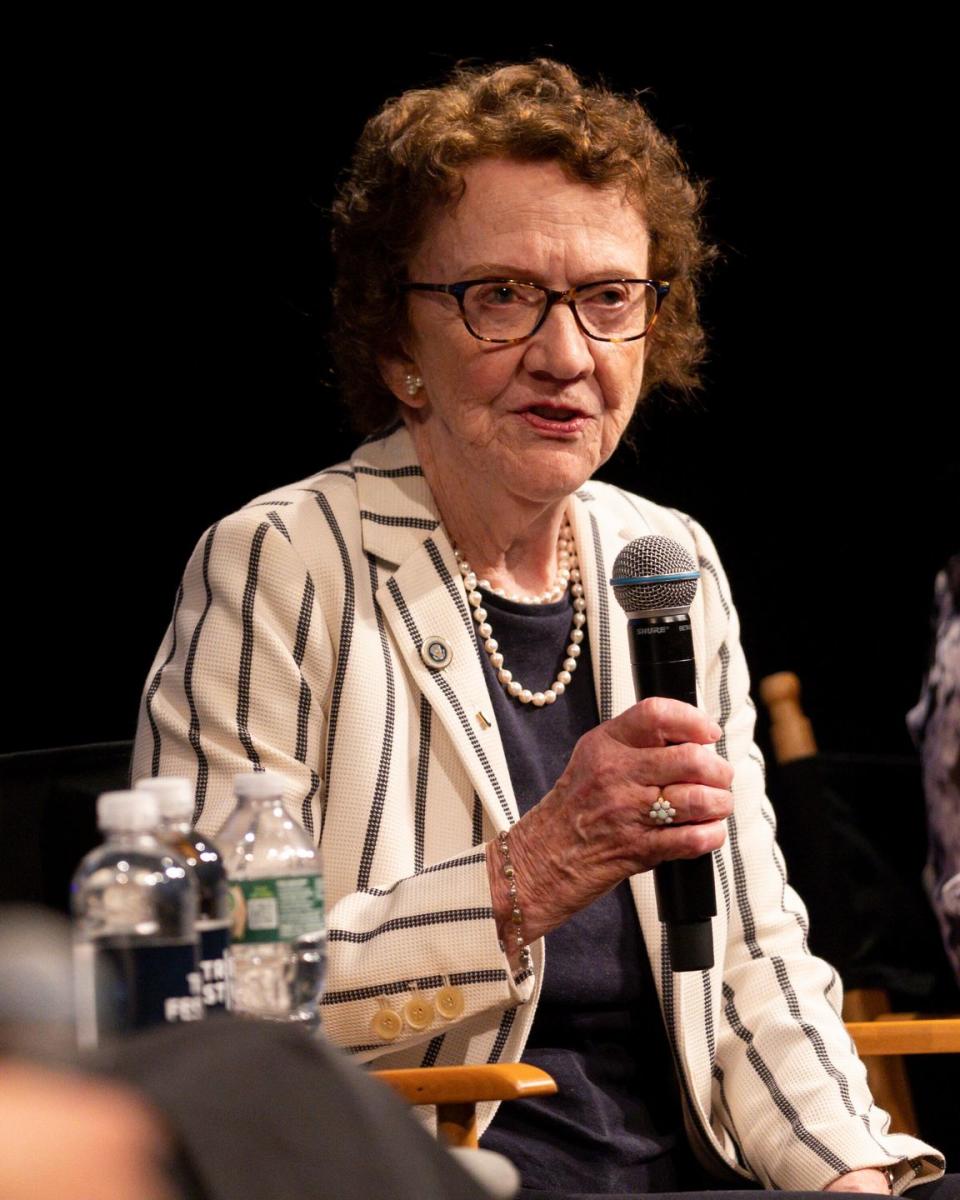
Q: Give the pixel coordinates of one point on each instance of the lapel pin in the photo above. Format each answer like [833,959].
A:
[484,722]
[436,653]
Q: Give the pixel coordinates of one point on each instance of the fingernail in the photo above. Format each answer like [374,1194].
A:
[716,732]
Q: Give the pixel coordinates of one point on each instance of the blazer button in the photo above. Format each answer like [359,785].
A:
[436,653]
[450,1003]
[419,1012]
[387,1025]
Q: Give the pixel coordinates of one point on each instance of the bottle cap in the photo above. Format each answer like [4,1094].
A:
[127,810]
[174,795]
[258,785]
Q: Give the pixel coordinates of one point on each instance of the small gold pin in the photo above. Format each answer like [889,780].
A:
[483,720]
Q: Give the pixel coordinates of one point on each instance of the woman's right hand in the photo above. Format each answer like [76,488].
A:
[593,829]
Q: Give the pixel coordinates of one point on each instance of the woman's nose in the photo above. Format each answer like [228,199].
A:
[559,347]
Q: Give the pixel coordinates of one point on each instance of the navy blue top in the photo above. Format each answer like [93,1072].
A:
[615,1125]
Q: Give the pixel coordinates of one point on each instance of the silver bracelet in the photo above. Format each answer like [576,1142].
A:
[516,916]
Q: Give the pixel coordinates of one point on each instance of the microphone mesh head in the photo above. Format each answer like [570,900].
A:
[655,557]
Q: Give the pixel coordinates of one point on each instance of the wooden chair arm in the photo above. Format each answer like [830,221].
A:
[456,1091]
[464,1085]
[906,1033]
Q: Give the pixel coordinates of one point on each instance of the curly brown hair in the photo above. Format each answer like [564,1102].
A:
[407,163]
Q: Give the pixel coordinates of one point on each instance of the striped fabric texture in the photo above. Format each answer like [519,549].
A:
[295,646]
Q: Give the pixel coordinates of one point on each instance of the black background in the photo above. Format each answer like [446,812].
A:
[171,308]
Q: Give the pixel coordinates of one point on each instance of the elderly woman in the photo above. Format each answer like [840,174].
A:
[422,641]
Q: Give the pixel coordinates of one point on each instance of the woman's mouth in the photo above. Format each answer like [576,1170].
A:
[554,419]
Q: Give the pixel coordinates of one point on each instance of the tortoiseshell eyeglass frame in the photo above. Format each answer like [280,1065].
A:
[458,290]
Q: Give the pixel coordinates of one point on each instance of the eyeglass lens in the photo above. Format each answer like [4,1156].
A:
[511,310]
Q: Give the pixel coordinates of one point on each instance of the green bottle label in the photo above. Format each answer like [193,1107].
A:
[276,910]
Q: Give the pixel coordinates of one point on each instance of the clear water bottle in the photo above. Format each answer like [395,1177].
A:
[277,956]
[134,902]
[175,802]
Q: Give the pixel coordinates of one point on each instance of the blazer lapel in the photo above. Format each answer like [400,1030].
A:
[424,605]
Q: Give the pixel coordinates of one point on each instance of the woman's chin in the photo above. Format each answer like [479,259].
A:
[550,472]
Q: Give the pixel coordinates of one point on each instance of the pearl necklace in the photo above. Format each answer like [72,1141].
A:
[567,572]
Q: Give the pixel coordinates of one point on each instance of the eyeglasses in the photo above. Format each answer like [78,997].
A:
[508,310]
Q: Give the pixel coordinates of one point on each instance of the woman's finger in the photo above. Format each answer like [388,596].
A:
[685,804]
[693,803]
[658,721]
[659,767]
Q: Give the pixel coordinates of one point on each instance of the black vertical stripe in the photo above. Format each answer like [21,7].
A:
[303,714]
[477,820]
[740,889]
[603,611]
[766,1076]
[432,1051]
[723,698]
[423,777]
[303,621]
[668,999]
[306,808]
[708,1015]
[203,768]
[736,854]
[455,591]
[246,646]
[277,523]
[305,699]
[155,686]
[346,637]
[721,869]
[299,649]
[386,747]
[506,1024]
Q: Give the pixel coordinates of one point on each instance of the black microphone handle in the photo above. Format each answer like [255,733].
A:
[661,651]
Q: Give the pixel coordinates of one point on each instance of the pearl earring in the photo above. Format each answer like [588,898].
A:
[413,383]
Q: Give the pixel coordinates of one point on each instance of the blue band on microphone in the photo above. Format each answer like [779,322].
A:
[633,580]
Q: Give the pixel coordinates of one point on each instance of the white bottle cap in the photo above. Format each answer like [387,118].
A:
[127,810]
[174,795]
[258,785]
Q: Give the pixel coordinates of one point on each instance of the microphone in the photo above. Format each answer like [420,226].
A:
[655,580]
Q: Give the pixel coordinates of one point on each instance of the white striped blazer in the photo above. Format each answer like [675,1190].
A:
[295,645]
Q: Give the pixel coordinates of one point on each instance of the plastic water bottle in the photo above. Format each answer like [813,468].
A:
[277,956]
[175,802]
[135,948]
